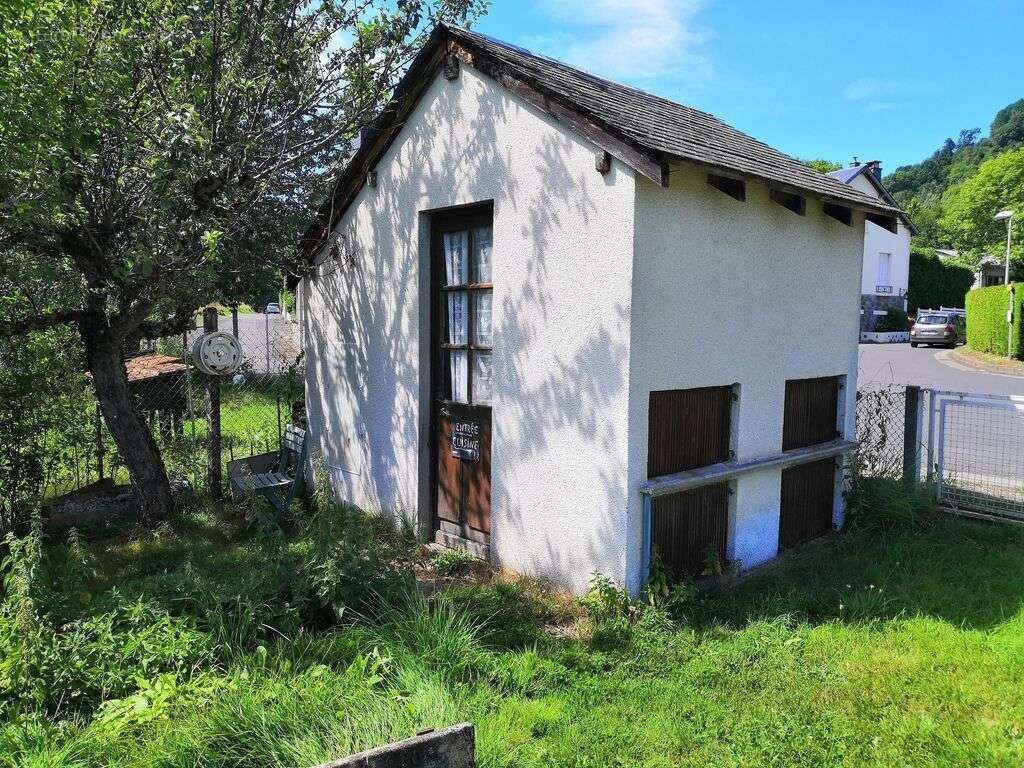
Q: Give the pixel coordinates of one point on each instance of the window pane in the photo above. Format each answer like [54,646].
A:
[482,334]
[482,238]
[884,261]
[456,264]
[457,317]
[482,379]
[458,366]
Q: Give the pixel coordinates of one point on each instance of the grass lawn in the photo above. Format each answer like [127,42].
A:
[217,643]
[248,418]
[985,361]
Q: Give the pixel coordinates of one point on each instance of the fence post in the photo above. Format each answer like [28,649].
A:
[99,442]
[266,340]
[234,320]
[912,435]
[213,469]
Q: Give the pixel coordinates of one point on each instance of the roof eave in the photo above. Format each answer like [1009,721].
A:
[857,205]
[646,161]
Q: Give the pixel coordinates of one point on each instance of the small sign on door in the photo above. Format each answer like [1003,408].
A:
[466,440]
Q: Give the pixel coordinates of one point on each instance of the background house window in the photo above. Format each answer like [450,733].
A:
[884,271]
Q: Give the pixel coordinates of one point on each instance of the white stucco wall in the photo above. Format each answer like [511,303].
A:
[563,247]
[731,292]
[880,240]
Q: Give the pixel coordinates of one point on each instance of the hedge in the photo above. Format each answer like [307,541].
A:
[986,320]
[935,283]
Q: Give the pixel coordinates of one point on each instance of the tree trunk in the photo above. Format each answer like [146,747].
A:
[134,440]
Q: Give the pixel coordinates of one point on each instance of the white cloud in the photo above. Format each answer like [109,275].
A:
[628,39]
[878,95]
[863,89]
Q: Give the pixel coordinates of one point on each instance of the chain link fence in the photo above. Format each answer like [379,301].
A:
[881,418]
[968,446]
[256,403]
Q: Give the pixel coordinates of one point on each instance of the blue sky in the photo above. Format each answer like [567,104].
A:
[881,80]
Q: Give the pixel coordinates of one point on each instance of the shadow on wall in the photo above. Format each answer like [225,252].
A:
[558,382]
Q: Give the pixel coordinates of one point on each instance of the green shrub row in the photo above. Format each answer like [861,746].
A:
[935,283]
[986,320]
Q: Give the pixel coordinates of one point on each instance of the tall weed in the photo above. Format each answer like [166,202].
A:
[887,504]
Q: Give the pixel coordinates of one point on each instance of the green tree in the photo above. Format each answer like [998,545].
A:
[154,153]
[823,166]
[936,283]
[968,208]
[1008,126]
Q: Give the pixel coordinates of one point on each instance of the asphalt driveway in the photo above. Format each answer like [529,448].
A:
[882,364]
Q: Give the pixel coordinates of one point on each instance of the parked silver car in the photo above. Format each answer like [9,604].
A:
[938,328]
[273,308]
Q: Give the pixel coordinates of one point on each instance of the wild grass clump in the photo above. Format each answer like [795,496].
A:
[887,504]
[452,562]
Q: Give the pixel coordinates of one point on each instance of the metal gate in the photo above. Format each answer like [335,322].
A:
[975,452]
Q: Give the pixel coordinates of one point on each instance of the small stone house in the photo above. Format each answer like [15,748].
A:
[574,327]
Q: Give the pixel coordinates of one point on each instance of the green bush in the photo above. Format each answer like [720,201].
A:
[894,320]
[986,320]
[452,562]
[47,413]
[935,283]
[288,299]
[57,667]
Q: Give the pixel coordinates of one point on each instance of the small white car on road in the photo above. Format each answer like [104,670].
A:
[938,328]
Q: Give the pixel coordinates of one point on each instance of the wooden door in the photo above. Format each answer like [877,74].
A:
[808,491]
[687,429]
[463,343]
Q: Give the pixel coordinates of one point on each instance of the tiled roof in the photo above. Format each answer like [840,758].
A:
[652,132]
[670,129]
[152,366]
[846,175]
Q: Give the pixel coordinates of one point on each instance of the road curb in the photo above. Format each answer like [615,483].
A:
[945,357]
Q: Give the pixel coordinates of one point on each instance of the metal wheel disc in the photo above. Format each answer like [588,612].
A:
[217,353]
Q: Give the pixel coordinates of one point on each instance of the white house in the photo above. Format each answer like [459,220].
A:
[989,270]
[886,276]
[570,325]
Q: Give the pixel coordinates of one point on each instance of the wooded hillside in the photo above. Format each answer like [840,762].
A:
[952,195]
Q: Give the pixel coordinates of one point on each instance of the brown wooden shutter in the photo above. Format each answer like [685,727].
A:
[687,429]
[808,491]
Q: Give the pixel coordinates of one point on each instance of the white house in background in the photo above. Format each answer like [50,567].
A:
[989,271]
[885,279]
[567,324]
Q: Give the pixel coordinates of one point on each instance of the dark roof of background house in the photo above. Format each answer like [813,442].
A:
[656,129]
[848,174]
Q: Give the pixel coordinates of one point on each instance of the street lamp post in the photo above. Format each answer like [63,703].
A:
[1007,216]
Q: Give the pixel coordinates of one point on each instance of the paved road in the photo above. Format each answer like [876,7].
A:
[269,342]
[882,364]
[983,463]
